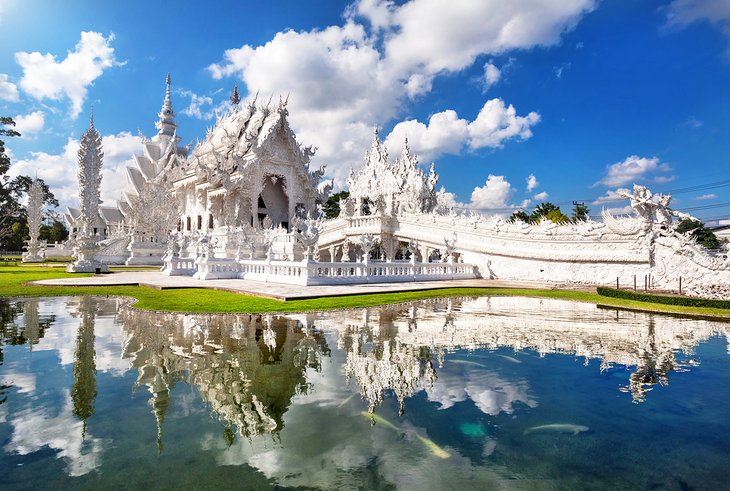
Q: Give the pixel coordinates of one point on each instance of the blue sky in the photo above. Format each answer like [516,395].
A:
[516,102]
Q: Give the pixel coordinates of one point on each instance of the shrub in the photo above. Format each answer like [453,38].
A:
[663,299]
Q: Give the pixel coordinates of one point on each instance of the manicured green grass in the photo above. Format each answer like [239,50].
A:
[206,300]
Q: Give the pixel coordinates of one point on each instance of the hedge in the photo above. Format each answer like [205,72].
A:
[663,299]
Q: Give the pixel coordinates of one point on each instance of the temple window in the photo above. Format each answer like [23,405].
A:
[210,220]
[189,225]
[200,222]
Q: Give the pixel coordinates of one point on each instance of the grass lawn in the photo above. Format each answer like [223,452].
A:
[12,284]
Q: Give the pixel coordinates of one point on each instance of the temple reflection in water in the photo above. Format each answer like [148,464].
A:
[395,348]
[248,367]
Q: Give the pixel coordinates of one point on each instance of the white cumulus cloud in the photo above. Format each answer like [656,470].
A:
[633,169]
[8,90]
[31,123]
[44,77]
[532,182]
[496,123]
[494,195]
[492,74]
[541,196]
[344,80]
[446,133]
[448,35]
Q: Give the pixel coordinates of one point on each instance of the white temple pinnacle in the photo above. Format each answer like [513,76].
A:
[91,159]
[35,249]
[166,124]
[89,173]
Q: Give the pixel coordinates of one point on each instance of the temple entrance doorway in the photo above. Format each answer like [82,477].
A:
[273,202]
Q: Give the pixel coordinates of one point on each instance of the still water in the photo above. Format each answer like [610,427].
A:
[468,393]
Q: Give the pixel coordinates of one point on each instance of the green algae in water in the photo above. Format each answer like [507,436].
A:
[474,430]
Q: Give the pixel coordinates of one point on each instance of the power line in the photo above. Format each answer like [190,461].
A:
[700,187]
[705,207]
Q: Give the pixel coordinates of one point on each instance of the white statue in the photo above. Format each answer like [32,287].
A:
[35,249]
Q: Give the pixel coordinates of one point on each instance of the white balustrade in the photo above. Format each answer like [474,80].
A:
[317,273]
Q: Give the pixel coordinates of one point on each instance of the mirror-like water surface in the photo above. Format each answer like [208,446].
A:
[483,393]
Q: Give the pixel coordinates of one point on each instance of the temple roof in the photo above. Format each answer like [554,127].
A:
[245,130]
[240,137]
[136,180]
[111,215]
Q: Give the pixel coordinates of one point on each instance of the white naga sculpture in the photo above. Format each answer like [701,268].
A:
[91,159]
[35,248]
[653,208]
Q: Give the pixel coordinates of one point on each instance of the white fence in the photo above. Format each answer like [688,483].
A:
[318,273]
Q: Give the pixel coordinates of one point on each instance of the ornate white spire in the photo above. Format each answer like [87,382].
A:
[166,125]
[35,249]
[35,209]
[90,161]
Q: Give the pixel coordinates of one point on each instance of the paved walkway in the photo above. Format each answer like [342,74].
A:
[278,291]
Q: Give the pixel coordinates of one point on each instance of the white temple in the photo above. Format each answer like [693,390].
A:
[244,203]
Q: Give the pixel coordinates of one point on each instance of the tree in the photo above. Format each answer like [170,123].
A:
[55,232]
[557,216]
[580,212]
[331,207]
[697,231]
[549,211]
[520,215]
[8,204]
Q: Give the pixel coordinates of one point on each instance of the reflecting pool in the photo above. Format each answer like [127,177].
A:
[467,393]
